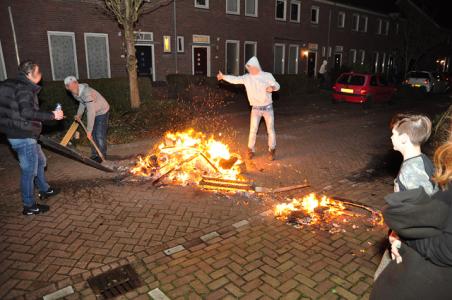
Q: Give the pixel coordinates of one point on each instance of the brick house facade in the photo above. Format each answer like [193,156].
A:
[197,37]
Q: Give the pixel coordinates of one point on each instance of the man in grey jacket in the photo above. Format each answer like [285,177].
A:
[97,113]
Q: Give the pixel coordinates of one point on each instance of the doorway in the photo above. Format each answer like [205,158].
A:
[201,60]
[312,64]
[145,60]
[337,61]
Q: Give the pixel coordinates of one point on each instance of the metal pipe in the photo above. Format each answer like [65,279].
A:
[175,36]
[14,34]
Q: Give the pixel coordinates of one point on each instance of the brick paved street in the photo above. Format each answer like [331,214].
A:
[98,223]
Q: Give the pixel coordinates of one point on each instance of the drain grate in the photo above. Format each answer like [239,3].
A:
[115,282]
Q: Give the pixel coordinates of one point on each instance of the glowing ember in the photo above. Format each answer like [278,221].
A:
[185,157]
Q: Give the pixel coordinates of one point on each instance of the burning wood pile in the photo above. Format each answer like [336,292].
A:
[190,157]
[327,214]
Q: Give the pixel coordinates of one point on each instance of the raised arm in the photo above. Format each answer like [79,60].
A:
[274,83]
[230,78]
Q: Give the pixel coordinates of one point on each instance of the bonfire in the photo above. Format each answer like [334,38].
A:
[187,158]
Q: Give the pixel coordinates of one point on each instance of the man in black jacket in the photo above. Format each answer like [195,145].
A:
[20,121]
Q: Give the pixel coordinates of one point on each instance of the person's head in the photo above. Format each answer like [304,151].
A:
[410,131]
[325,62]
[31,71]
[253,67]
[71,84]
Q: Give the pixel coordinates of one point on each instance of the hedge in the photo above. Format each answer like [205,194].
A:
[115,91]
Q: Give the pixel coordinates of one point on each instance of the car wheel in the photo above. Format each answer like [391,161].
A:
[369,103]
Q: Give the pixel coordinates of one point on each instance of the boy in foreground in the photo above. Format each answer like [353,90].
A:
[409,132]
[259,87]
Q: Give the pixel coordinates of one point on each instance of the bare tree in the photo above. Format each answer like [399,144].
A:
[127,13]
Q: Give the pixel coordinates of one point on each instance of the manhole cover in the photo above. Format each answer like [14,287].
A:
[115,282]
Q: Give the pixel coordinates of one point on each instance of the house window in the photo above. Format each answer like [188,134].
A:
[323,51]
[380,26]
[341,19]
[352,58]
[167,44]
[363,23]
[397,28]
[386,27]
[362,56]
[355,22]
[180,44]
[3,75]
[280,10]
[63,57]
[279,58]
[295,9]
[233,7]
[330,50]
[249,50]
[315,11]
[202,3]
[97,55]
[251,8]
[232,57]
[292,64]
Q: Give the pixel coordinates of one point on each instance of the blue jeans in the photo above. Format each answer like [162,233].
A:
[32,163]
[100,134]
[256,114]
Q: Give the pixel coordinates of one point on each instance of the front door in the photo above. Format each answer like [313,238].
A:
[200,61]
[312,57]
[144,60]
[337,61]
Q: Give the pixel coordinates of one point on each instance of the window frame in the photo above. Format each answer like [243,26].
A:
[341,19]
[296,58]
[355,27]
[387,26]
[323,51]
[256,5]
[354,56]
[298,3]
[62,33]
[285,10]
[180,40]
[362,53]
[206,6]
[317,15]
[233,12]
[244,50]
[380,26]
[366,22]
[107,46]
[283,62]
[2,61]
[237,42]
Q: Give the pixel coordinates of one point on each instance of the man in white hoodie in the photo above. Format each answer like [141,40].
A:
[259,86]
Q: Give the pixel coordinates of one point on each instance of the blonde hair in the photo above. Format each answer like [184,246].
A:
[417,127]
[443,164]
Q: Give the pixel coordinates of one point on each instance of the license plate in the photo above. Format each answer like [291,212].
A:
[348,91]
[416,85]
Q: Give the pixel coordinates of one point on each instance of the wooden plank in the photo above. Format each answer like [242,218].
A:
[69,134]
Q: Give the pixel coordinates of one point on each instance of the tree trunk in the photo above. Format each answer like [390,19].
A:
[132,67]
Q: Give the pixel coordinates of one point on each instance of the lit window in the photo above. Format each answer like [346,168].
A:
[180,44]
[280,10]
[251,8]
[166,44]
[355,22]
[233,7]
[295,8]
[315,15]
[341,19]
[363,23]
[202,3]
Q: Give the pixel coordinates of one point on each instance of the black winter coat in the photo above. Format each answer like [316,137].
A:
[425,225]
[20,116]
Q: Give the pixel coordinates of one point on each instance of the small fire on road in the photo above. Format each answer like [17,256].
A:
[187,157]
[326,213]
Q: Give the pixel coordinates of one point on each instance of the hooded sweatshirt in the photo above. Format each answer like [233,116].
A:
[323,67]
[94,103]
[256,85]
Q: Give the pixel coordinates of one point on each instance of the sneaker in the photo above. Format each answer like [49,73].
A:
[36,209]
[49,193]
[272,154]
[250,154]
[96,159]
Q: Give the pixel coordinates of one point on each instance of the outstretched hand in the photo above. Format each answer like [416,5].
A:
[58,115]
[220,76]
[269,89]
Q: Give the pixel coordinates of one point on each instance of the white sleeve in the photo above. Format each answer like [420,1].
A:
[274,83]
[234,79]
